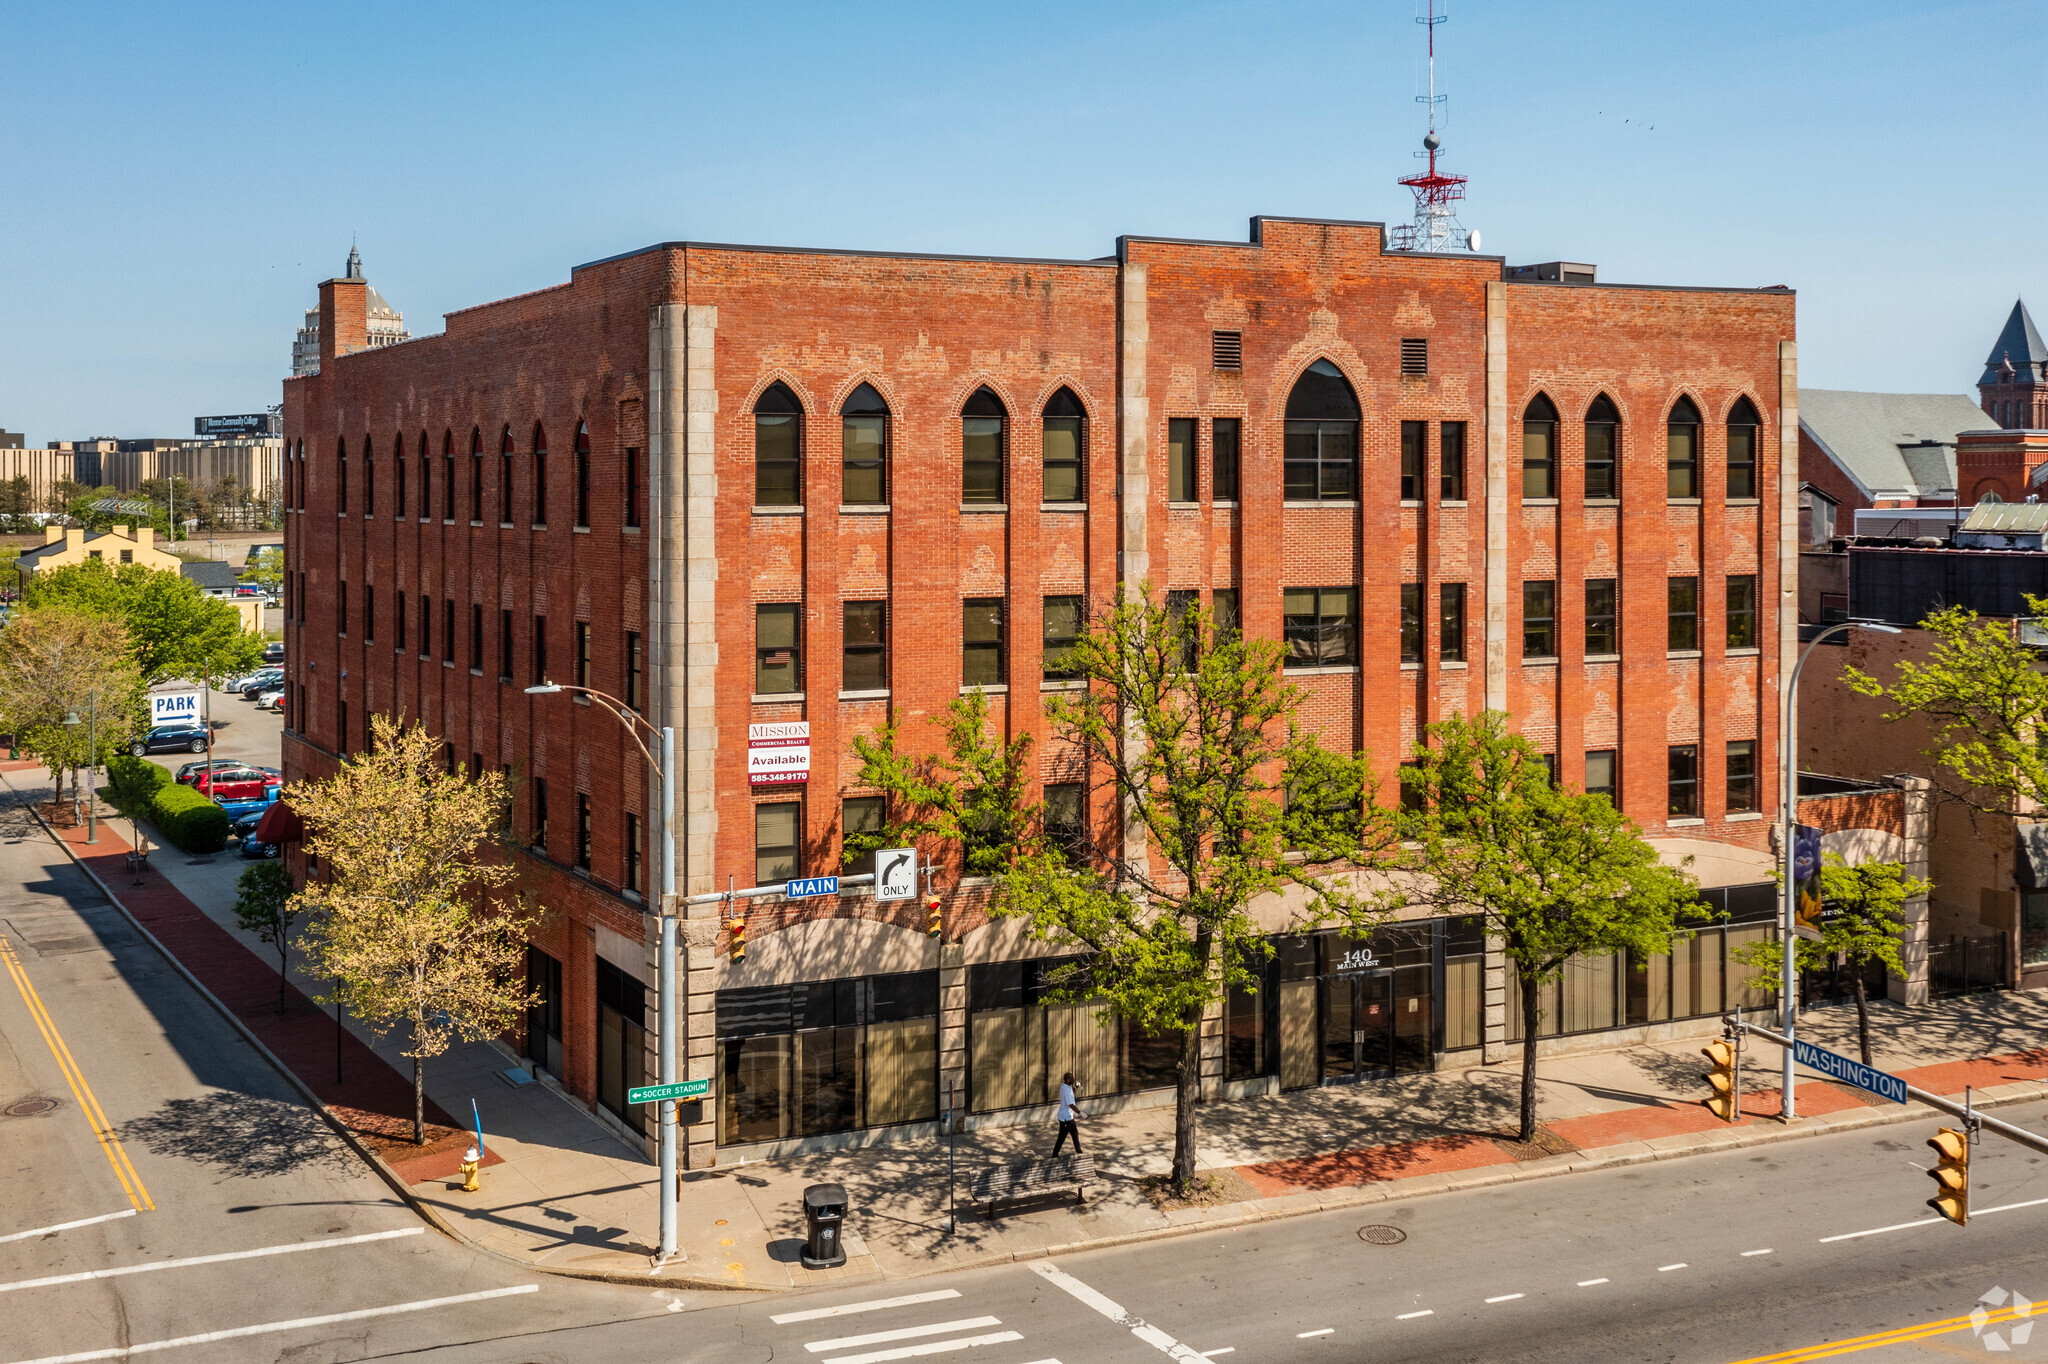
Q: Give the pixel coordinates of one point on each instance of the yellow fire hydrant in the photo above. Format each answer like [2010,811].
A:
[469,1165]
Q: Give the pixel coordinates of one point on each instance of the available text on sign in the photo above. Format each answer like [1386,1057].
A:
[779,753]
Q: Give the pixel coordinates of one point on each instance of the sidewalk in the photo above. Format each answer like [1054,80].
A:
[566,1194]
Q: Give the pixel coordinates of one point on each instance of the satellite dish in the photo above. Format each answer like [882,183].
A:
[1472,240]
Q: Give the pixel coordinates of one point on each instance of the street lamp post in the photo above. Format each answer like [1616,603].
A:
[664,768]
[92,743]
[1788,977]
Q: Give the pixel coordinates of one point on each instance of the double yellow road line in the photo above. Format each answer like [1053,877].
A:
[1900,1336]
[117,1155]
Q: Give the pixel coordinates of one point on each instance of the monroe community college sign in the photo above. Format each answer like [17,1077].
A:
[779,753]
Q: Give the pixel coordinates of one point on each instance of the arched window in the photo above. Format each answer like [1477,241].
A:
[1066,449]
[1603,449]
[582,475]
[341,473]
[1539,448]
[540,476]
[369,478]
[983,423]
[476,475]
[398,477]
[505,476]
[864,448]
[1743,428]
[448,475]
[1682,450]
[778,448]
[426,478]
[1321,436]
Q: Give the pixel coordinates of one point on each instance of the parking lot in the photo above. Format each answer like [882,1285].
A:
[240,731]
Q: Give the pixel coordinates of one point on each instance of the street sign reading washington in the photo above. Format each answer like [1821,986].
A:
[1838,1067]
[681,1089]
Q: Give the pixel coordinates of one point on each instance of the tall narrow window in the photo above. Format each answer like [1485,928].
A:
[583,830]
[865,642]
[1742,611]
[448,630]
[476,638]
[982,430]
[1603,774]
[1603,449]
[984,661]
[1450,438]
[426,481]
[341,475]
[1065,449]
[1223,457]
[341,609]
[1450,619]
[505,477]
[1413,436]
[1539,620]
[476,476]
[1062,628]
[505,647]
[776,829]
[448,475]
[1603,631]
[1321,437]
[398,617]
[1411,622]
[1682,615]
[632,485]
[1741,776]
[1180,460]
[426,626]
[398,478]
[1682,450]
[1320,626]
[860,817]
[1743,426]
[864,448]
[369,479]
[369,613]
[1066,821]
[1539,448]
[537,798]
[635,683]
[1181,605]
[1682,784]
[1223,605]
[540,650]
[778,446]
[632,852]
[778,661]
[540,476]
[582,653]
[582,475]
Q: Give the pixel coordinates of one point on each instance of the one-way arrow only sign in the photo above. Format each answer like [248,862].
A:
[896,873]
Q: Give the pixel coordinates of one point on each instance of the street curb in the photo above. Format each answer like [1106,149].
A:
[426,1211]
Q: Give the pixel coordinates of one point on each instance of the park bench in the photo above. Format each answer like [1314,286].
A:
[1013,1181]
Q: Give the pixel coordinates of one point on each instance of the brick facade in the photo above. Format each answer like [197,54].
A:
[665,353]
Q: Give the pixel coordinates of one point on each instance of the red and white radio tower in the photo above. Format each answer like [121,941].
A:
[1436,226]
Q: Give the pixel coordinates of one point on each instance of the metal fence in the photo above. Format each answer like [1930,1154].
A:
[1836,983]
[1962,965]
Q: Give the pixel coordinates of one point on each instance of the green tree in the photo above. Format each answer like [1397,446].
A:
[175,629]
[1555,873]
[1984,700]
[264,906]
[412,923]
[1863,921]
[1191,733]
[55,660]
[265,568]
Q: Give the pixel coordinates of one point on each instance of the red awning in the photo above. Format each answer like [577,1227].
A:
[280,824]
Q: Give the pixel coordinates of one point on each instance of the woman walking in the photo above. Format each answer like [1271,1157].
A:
[1066,1115]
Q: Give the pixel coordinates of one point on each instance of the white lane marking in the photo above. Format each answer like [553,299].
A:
[1932,1221]
[936,1347]
[1588,1283]
[1410,1316]
[1326,1331]
[1666,1269]
[874,1305]
[1506,1297]
[208,1259]
[1226,1350]
[301,1323]
[2008,1207]
[1747,1253]
[66,1226]
[1150,1334]
[818,1347]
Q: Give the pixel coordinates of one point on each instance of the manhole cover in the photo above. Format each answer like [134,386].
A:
[1382,1235]
[29,1108]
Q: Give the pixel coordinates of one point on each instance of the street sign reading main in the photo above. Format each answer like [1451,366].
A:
[1855,1073]
[810,886]
[681,1089]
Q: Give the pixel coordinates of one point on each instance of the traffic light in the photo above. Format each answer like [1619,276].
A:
[934,923]
[736,931]
[1951,1175]
[1723,1098]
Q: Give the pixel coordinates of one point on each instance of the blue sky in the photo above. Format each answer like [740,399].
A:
[178,177]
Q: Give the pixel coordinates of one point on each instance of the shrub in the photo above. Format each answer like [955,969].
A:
[189,820]
[135,781]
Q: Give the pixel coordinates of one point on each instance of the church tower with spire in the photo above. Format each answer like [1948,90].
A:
[2014,389]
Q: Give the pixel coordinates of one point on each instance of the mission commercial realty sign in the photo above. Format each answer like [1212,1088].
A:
[779,753]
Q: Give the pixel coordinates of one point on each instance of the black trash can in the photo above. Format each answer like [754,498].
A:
[824,1225]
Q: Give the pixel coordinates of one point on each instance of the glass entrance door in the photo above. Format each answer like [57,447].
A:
[1358,1025]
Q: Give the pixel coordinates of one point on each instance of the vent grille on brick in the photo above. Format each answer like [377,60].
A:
[1415,355]
[1228,348]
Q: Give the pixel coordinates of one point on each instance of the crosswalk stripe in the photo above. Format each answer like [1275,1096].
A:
[935,1347]
[847,1309]
[904,1333]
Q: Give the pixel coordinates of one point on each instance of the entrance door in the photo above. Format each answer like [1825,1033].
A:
[1358,1025]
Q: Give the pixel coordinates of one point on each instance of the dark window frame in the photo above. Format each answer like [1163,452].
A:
[984,419]
[778,448]
[1603,617]
[1741,613]
[864,410]
[1682,781]
[1411,622]
[582,453]
[1742,776]
[1183,448]
[972,648]
[1539,435]
[1682,614]
[1320,437]
[1451,624]
[1226,453]
[1611,788]
[1063,413]
[1320,638]
[1682,455]
[864,652]
[1414,444]
[1742,449]
[794,850]
[766,655]
[1539,619]
[1450,439]
[1603,450]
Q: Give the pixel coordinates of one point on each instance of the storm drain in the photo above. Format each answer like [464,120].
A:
[1380,1235]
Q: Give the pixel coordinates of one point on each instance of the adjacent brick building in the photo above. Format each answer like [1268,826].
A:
[743,486]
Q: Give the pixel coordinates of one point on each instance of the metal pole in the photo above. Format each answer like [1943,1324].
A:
[92,757]
[669,1131]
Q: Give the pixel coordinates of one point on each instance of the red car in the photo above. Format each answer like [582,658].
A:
[235,783]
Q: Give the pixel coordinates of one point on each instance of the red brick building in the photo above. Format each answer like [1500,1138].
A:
[739,486]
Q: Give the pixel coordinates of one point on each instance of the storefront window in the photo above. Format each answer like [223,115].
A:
[2034,928]
[621,1042]
[829,1056]
[1020,1040]
[1244,1034]
[544,1017]
[1464,982]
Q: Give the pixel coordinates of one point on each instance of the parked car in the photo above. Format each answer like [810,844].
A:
[238,807]
[190,771]
[255,684]
[271,698]
[236,783]
[189,735]
[245,829]
[273,652]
